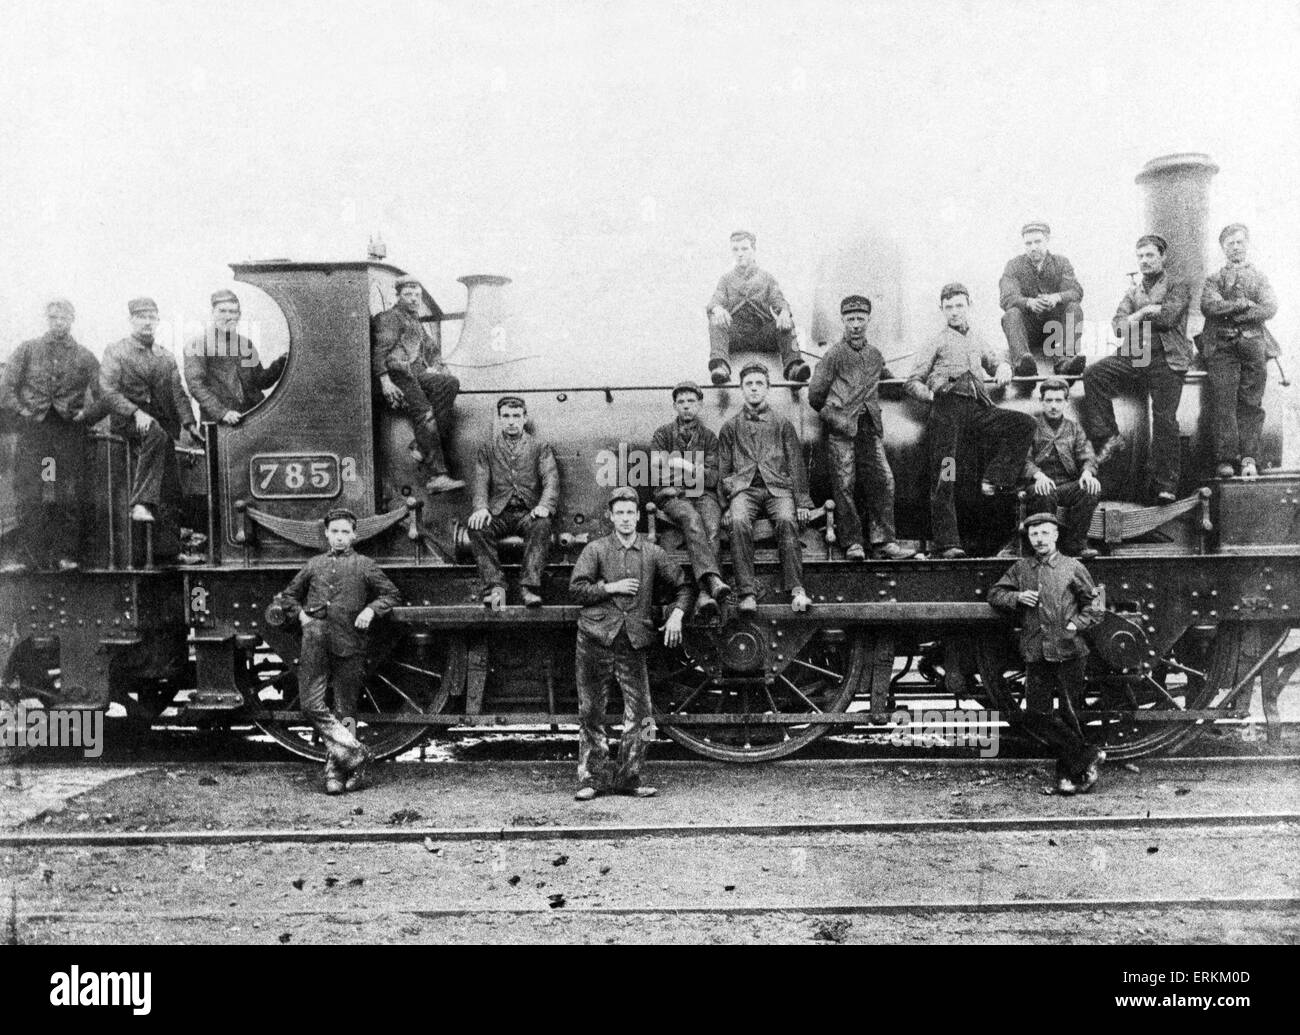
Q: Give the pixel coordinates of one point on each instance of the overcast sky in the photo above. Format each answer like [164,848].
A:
[599,153]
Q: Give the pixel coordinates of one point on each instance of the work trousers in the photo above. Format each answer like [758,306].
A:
[597,666]
[861,461]
[429,401]
[756,337]
[1027,332]
[49,464]
[745,506]
[957,424]
[1078,505]
[319,672]
[536,533]
[700,520]
[157,479]
[1238,372]
[1109,377]
[1062,732]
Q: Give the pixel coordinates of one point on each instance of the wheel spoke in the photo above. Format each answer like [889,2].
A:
[692,695]
[1164,692]
[397,690]
[419,671]
[799,694]
[824,671]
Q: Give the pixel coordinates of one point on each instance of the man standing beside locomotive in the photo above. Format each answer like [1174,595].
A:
[1154,355]
[1054,600]
[761,468]
[1236,301]
[1040,294]
[949,374]
[614,580]
[408,368]
[1062,469]
[45,384]
[845,390]
[142,389]
[516,490]
[335,597]
[686,455]
[222,368]
[748,310]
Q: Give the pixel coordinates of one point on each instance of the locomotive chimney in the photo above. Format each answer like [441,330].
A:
[484,341]
[1176,192]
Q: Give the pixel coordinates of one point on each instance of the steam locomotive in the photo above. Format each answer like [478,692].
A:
[1200,595]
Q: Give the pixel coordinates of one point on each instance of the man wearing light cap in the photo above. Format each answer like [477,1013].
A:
[143,391]
[748,311]
[410,374]
[1040,296]
[222,368]
[49,384]
[1052,599]
[685,455]
[845,390]
[1154,354]
[1237,345]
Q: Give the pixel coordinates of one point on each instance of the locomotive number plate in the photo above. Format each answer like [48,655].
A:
[296,476]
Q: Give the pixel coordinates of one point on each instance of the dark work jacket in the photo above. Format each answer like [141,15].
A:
[605,615]
[335,588]
[846,385]
[1224,321]
[49,373]
[762,442]
[135,376]
[398,341]
[528,472]
[224,372]
[1168,325]
[674,439]
[1021,281]
[1065,594]
[1063,453]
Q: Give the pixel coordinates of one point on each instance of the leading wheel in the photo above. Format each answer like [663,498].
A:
[756,668]
[415,673]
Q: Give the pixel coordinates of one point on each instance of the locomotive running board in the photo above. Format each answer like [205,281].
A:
[469,616]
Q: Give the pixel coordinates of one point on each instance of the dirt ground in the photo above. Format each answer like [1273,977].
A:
[793,887]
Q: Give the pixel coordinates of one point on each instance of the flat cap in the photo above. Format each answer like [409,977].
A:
[1161,244]
[406,281]
[511,400]
[1037,225]
[141,305]
[60,305]
[756,368]
[340,514]
[1041,518]
[951,290]
[1231,229]
[855,304]
[623,492]
[224,295]
[687,386]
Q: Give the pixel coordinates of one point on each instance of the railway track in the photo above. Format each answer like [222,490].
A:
[435,835]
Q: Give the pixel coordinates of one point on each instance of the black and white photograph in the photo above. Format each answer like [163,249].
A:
[650,474]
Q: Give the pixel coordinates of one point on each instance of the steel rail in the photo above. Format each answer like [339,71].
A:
[1046,905]
[403,834]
